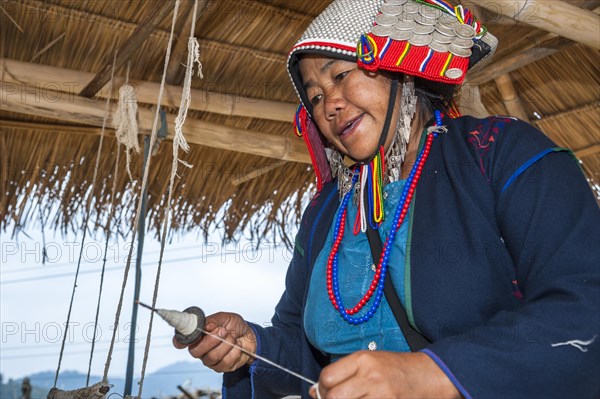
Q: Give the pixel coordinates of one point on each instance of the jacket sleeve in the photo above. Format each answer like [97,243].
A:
[284,342]
[278,343]
[550,223]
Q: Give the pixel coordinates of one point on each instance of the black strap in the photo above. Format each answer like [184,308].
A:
[415,340]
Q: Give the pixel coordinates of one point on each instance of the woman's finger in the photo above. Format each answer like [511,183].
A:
[232,360]
[178,344]
[338,372]
[351,388]
[205,345]
[216,354]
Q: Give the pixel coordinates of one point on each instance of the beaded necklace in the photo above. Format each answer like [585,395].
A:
[376,287]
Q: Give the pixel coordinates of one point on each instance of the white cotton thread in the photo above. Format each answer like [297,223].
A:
[193,58]
[136,220]
[153,138]
[86,219]
[258,357]
[316,387]
[577,343]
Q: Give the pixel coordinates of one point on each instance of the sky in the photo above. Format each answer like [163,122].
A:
[34,297]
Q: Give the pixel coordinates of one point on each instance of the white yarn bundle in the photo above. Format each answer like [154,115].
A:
[125,122]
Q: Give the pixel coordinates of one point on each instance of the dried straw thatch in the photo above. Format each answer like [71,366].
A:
[48,154]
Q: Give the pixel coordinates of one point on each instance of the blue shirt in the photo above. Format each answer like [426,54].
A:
[325,328]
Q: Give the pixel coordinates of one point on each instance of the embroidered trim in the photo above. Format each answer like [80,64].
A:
[530,162]
[449,373]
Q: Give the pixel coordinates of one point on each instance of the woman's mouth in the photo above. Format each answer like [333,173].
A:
[350,127]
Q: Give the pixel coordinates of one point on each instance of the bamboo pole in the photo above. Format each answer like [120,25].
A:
[510,98]
[70,81]
[470,101]
[72,108]
[559,17]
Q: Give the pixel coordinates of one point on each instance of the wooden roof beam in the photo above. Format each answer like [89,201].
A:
[69,80]
[29,100]
[125,52]
[559,17]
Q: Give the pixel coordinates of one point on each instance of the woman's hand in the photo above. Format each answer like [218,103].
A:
[368,374]
[218,355]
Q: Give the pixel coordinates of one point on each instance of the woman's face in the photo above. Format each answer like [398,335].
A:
[349,104]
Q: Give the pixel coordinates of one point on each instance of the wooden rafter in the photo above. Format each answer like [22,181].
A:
[587,151]
[49,127]
[589,107]
[532,49]
[72,108]
[125,52]
[559,17]
[68,80]
[267,56]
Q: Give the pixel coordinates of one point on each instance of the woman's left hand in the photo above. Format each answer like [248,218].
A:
[368,374]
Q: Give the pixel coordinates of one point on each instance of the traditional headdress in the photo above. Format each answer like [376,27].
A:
[429,39]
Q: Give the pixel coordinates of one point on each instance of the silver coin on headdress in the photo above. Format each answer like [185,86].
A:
[423,29]
[444,31]
[382,30]
[408,17]
[440,38]
[447,18]
[420,40]
[401,35]
[439,47]
[464,43]
[405,25]
[459,51]
[464,31]
[430,12]
[389,9]
[395,2]
[410,8]
[425,20]
[447,24]
[386,20]
[454,73]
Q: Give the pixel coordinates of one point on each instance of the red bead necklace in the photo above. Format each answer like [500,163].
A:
[376,283]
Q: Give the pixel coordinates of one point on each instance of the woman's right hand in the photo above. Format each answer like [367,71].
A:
[218,355]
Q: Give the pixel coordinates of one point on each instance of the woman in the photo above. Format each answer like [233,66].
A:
[453,257]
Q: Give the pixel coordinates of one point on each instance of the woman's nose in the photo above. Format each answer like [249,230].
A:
[334,102]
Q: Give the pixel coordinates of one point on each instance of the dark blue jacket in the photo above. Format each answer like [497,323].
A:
[502,272]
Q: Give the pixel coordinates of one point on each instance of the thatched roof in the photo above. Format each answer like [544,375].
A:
[250,174]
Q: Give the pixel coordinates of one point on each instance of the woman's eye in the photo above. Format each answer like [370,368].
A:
[315,100]
[341,76]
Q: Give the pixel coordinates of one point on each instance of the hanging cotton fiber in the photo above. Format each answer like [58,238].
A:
[179,140]
[125,122]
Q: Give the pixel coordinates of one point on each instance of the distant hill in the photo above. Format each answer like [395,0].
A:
[160,384]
